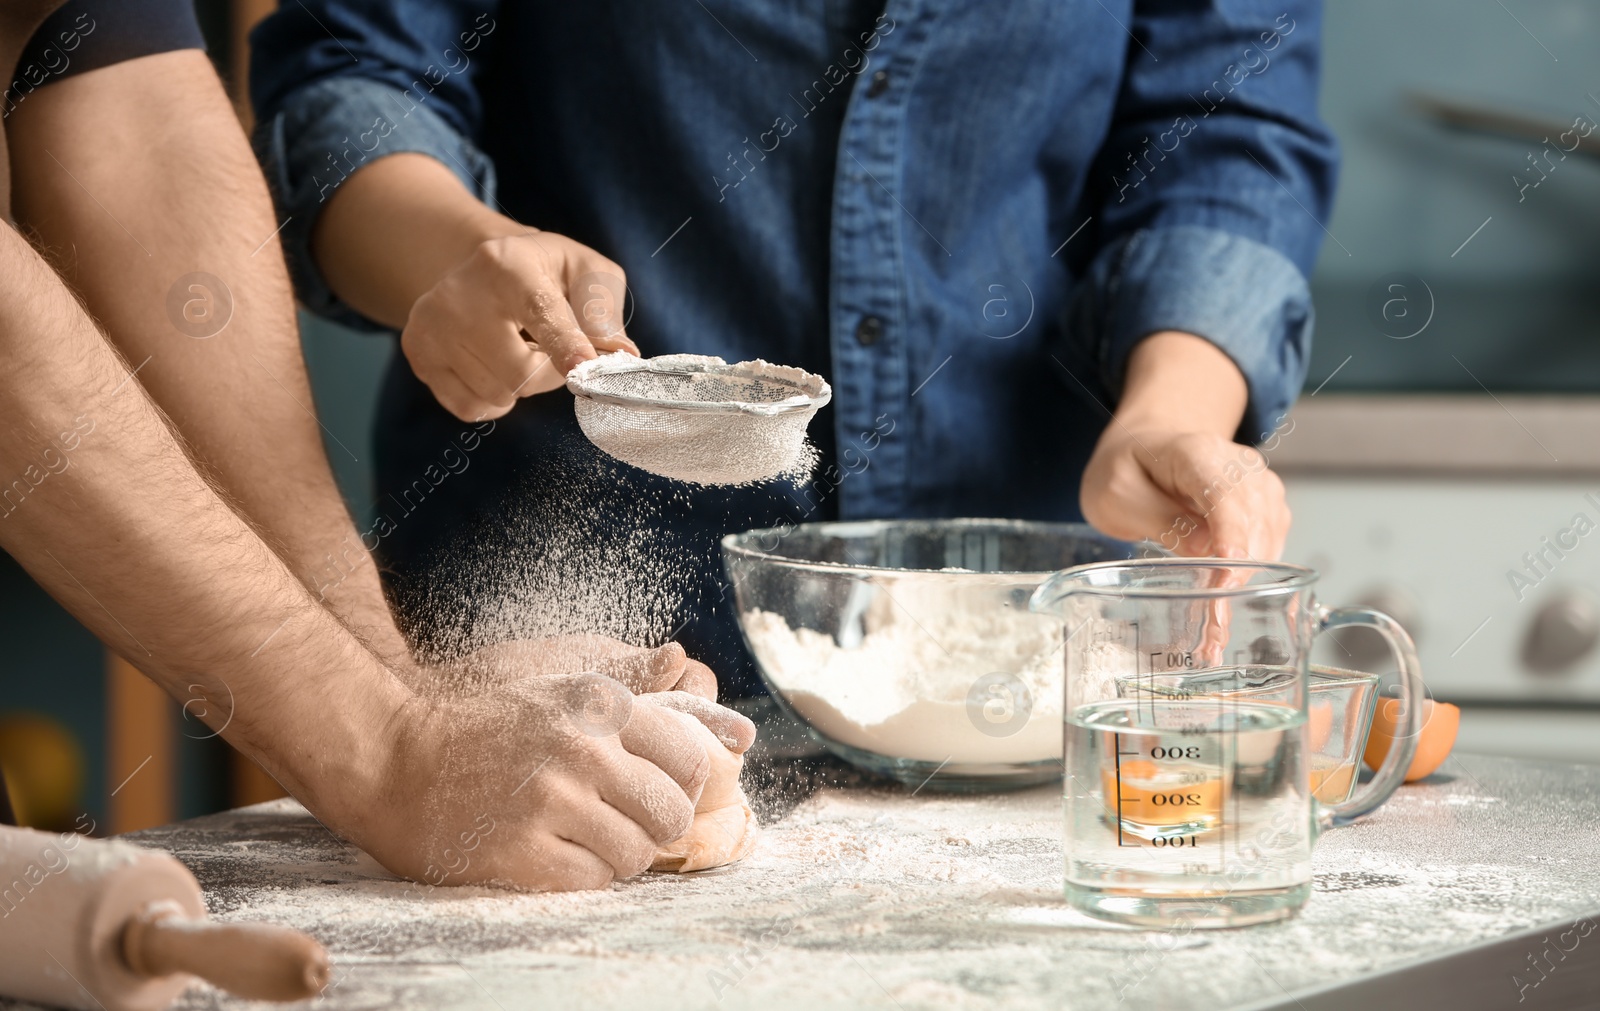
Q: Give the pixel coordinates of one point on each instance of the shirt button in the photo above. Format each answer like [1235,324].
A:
[869,331]
[880,84]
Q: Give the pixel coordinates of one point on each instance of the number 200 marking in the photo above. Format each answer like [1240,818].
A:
[1175,799]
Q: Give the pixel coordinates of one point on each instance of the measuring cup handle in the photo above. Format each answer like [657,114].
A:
[1395,764]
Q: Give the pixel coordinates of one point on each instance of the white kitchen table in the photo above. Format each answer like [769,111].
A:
[870,896]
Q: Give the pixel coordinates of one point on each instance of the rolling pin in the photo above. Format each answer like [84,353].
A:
[104,924]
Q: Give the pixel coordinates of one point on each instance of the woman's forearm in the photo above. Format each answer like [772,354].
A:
[1175,380]
[1167,468]
[394,229]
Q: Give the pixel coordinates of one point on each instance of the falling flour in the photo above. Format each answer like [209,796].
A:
[976,687]
[583,553]
[538,568]
[583,549]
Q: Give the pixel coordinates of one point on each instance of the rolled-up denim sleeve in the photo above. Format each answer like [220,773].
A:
[339,84]
[1245,297]
[1209,195]
[320,135]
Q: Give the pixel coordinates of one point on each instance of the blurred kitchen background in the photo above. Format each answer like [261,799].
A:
[1447,439]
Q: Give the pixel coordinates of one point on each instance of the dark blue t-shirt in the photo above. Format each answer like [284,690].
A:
[89,34]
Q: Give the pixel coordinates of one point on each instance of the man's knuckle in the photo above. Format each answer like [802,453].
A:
[637,856]
[676,816]
[699,774]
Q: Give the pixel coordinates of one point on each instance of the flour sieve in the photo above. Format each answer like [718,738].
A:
[696,418]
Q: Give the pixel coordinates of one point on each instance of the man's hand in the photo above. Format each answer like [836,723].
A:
[1167,469]
[665,668]
[663,676]
[557,782]
[512,320]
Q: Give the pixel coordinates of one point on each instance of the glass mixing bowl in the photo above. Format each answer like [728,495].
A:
[906,647]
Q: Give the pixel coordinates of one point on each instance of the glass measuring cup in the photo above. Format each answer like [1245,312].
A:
[1191,740]
[1338,713]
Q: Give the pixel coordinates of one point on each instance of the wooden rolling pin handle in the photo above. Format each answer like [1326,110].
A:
[252,960]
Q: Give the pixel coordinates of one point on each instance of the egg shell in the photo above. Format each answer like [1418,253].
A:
[1440,723]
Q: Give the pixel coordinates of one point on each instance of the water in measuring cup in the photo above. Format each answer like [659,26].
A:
[1199,804]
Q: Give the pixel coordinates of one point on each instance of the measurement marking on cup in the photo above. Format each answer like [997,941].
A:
[1120,797]
[1138,651]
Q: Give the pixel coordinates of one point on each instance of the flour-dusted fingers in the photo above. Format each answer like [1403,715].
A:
[663,669]
[618,837]
[667,740]
[645,670]
[653,800]
[698,679]
[724,827]
[483,784]
[734,731]
[642,669]
[557,864]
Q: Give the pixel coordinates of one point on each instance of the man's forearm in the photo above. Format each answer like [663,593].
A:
[100,504]
[394,229]
[176,194]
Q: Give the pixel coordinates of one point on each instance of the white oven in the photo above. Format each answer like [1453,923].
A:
[1475,521]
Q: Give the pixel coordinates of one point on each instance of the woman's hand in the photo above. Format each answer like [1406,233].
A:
[490,309]
[1193,493]
[512,320]
[1167,468]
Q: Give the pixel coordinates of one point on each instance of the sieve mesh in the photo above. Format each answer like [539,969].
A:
[698,419]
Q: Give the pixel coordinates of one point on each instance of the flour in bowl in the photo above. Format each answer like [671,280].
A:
[969,687]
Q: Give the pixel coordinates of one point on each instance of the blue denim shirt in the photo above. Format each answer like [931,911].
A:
[963,214]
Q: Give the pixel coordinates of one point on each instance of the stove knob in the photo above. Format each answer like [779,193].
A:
[1564,631]
[1397,604]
